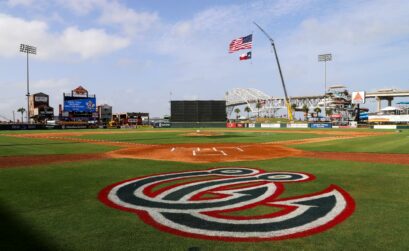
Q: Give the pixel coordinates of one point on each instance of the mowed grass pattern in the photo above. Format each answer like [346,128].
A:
[12,146]
[167,137]
[389,143]
[55,207]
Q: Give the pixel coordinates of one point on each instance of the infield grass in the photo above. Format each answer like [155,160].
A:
[12,146]
[55,207]
[166,137]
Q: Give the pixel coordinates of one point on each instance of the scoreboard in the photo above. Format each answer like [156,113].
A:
[198,111]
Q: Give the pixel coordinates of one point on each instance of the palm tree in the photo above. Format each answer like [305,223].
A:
[258,106]
[293,109]
[248,110]
[317,110]
[237,111]
[305,110]
[22,110]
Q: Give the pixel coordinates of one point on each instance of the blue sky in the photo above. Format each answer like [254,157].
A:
[132,54]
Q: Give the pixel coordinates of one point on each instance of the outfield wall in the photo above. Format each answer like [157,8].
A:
[22,127]
[198,124]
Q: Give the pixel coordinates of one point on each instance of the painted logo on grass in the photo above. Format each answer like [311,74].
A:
[222,204]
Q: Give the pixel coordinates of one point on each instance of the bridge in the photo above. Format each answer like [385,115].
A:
[386,94]
[261,103]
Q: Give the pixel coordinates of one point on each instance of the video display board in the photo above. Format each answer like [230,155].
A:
[198,111]
[72,104]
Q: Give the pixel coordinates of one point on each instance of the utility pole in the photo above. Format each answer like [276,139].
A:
[287,100]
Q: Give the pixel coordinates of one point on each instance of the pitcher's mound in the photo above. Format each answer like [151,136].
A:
[200,133]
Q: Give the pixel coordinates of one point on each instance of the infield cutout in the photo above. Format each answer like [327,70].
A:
[200,208]
[197,151]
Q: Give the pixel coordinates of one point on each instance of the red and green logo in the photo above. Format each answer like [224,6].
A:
[207,208]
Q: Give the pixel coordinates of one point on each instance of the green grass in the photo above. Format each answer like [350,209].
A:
[166,137]
[12,146]
[389,143]
[56,207]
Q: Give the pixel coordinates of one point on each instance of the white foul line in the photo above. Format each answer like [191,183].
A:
[238,148]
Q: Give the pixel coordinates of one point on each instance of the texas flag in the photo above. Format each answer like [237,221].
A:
[245,56]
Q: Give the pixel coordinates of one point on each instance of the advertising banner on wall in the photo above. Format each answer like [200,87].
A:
[358,97]
[297,125]
[320,125]
[270,125]
[42,99]
[80,105]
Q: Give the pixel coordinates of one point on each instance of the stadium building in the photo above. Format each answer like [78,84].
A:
[104,114]
[40,110]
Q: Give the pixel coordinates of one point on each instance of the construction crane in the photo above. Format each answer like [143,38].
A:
[287,100]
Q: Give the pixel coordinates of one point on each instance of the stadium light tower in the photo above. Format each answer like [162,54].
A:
[28,49]
[324,58]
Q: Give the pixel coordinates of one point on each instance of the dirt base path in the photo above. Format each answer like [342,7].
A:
[22,161]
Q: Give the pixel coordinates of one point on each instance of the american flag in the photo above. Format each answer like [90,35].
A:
[241,43]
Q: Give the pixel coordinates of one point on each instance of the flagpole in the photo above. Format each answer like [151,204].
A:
[251,59]
[287,100]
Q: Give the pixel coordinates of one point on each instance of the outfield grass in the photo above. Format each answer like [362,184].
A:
[12,146]
[389,143]
[56,207]
[181,137]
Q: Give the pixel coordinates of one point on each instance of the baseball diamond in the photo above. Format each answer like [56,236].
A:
[258,125]
[215,189]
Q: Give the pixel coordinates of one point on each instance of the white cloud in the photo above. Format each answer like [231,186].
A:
[368,41]
[91,42]
[369,23]
[25,3]
[70,42]
[82,7]
[208,28]
[130,21]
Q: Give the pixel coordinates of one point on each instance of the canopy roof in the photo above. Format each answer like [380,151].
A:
[391,108]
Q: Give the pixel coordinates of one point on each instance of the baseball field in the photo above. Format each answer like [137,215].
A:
[208,189]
